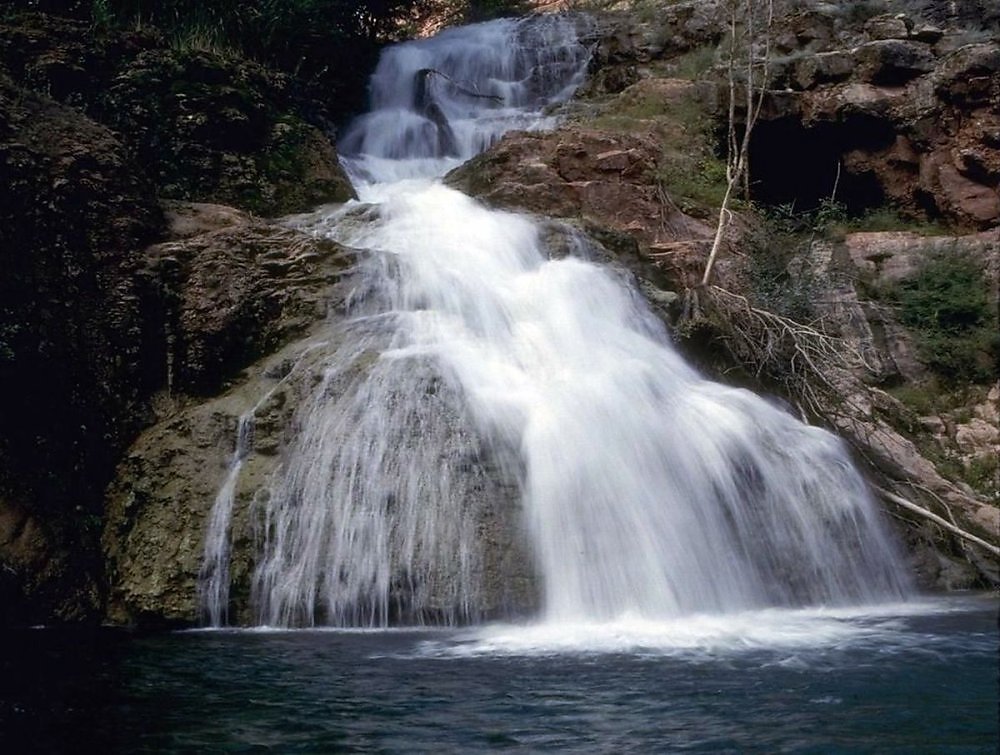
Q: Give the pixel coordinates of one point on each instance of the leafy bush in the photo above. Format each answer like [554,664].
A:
[947,306]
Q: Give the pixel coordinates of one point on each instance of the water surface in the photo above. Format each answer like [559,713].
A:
[919,678]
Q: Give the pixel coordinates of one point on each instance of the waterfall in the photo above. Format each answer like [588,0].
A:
[213,578]
[495,413]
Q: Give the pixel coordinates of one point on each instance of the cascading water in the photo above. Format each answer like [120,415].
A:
[487,388]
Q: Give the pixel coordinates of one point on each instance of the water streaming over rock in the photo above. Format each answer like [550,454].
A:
[497,414]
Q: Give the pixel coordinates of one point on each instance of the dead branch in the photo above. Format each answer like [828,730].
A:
[910,506]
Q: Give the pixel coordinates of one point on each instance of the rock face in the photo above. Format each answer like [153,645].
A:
[895,92]
[230,289]
[898,444]
[73,212]
[910,115]
[255,318]
[95,127]
[134,332]
[159,503]
[213,130]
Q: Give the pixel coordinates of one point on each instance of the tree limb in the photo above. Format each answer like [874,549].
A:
[910,506]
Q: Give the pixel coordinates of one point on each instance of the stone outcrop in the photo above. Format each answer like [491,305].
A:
[235,294]
[123,315]
[897,444]
[891,107]
[96,126]
[229,289]
[208,129]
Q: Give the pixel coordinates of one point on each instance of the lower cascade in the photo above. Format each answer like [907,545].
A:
[503,431]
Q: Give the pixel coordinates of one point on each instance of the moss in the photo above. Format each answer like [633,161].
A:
[692,173]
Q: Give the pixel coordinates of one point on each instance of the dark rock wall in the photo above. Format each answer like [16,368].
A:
[97,128]
[73,215]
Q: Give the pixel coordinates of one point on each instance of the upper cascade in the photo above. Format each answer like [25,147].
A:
[437,102]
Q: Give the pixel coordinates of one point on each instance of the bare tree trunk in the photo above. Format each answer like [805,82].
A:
[738,159]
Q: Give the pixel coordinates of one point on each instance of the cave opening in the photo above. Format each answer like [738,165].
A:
[799,166]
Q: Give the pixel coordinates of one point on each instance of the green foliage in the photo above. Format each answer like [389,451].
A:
[833,221]
[932,397]
[983,474]
[947,306]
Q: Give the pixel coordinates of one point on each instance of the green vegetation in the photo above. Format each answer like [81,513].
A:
[691,171]
[934,398]
[780,278]
[836,222]
[947,306]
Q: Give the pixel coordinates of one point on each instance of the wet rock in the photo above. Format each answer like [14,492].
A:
[160,500]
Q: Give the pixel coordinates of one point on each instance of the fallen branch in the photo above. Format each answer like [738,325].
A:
[910,506]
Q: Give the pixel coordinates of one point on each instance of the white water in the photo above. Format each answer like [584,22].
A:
[480,372]
[213,578]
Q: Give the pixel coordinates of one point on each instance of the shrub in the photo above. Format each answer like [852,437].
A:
[947,306]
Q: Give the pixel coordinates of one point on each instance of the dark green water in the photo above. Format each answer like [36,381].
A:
[907,680]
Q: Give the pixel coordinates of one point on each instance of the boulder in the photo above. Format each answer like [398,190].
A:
[892,62]
[238,299]
[229,289]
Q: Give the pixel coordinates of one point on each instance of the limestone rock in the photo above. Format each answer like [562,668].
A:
[888,26]
[892,62]
[232,292]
